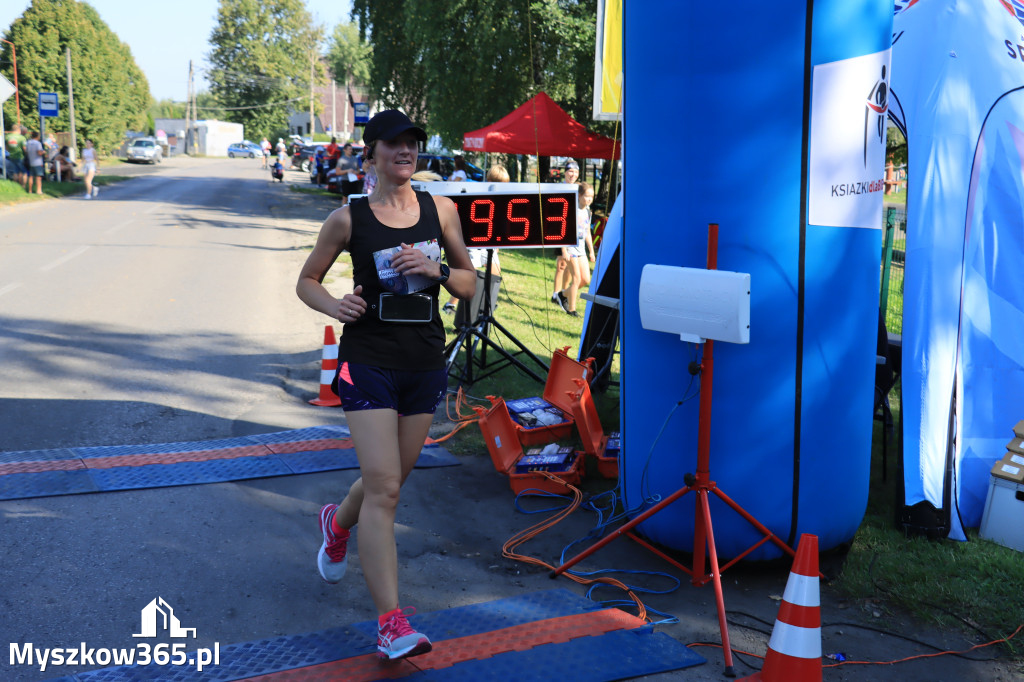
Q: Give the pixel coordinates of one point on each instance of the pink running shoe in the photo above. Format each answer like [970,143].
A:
[332,561]
[396,638]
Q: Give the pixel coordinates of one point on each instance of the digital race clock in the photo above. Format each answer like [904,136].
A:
[517,220]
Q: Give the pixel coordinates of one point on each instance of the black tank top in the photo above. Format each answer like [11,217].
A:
[393,345]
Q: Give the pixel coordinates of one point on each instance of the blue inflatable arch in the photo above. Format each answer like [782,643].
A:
[764,122]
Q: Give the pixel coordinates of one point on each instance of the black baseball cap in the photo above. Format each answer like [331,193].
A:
[389,124]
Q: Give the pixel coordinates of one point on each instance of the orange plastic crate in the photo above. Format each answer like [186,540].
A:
[588,424]
[502,439]
[557,390]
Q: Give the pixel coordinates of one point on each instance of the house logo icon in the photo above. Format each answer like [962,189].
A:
[158,615]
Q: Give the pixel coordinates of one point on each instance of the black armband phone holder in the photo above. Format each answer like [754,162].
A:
[410,308]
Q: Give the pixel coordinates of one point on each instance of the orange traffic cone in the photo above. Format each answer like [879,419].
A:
[328,366]
[794,651]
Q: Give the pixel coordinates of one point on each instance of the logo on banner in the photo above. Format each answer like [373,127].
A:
[903,5]
[1014,7]
[875,109]
[849,106]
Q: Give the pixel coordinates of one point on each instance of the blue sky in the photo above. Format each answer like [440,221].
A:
[163,37]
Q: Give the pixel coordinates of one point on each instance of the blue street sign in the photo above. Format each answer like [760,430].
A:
[49,104]
[362,112]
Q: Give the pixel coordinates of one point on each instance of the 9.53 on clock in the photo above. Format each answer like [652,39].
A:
[517,221]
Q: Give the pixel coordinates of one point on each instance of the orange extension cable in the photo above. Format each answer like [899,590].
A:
[461,420]
[508,549]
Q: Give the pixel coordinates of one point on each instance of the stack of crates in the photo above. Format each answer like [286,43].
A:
[1003,519]
[507,436]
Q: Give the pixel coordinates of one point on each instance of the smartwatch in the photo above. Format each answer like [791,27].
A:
[445,273]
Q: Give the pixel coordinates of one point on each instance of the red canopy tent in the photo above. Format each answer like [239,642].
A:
[541,128]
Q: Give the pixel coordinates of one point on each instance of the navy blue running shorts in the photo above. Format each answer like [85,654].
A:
[365,387]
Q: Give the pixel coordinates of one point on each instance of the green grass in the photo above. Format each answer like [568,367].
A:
[894,304]
[12,193]
[314,190]
[899,197]
[976,586]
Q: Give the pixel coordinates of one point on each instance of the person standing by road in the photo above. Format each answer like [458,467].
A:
[36,159]
[391,372]
[346,169]
[89,168]
[16,148]
[265,146]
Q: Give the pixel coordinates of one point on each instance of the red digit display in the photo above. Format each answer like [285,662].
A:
[517,219]
[508,220]
[548,236]
[489,220]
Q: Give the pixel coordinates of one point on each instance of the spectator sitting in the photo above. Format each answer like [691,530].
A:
[63,167]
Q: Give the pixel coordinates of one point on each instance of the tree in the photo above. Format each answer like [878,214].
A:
[464,64]
[111,92]
[348,56]
[397,79]
[261,57]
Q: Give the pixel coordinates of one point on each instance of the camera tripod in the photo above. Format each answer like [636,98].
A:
[475,337]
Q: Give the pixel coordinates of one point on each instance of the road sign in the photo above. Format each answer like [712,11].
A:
[49,104]
[362,112]
[6,89]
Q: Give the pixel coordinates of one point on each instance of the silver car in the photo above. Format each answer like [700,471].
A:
[145,150]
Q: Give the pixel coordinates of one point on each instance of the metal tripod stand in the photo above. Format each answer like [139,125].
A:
[705,557]
[475,338]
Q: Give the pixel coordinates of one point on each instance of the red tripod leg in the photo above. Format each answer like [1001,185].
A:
[716,576]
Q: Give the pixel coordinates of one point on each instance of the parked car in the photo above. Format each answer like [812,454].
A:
[145,150]
[303,157]
[296,142]
[245,148]
[445,166]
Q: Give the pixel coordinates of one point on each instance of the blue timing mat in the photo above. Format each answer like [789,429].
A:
[69,471]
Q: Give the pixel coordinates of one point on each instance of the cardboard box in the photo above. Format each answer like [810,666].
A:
[1016,445]
[604,449]
[1010,468]
[1018,430]
[555,401]
[502,440]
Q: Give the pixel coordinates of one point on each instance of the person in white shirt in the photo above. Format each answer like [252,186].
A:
[574,255]
[89,167]
[459,175]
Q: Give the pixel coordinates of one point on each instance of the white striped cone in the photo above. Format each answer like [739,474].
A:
[794,651]
[328,366]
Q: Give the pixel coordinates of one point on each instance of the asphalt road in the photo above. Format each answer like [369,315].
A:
[164,311]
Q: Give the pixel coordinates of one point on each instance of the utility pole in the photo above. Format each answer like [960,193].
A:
[312,63]
[334,108]
[71,108]
[188,105]
[348,103]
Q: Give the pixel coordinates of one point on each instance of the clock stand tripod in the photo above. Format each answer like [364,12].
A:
[474,338]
